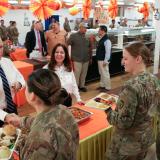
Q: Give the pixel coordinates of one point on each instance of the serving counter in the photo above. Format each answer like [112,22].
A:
[119,37]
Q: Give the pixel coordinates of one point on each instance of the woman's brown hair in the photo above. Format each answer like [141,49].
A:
[67,62]
[138,48]
[46,85]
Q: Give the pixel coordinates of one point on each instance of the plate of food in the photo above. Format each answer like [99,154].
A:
[80,114]
[102,101]
[9,136]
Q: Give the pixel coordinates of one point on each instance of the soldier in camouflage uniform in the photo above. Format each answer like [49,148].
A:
[14,33]
[3,31]
[53,133]
[133,124]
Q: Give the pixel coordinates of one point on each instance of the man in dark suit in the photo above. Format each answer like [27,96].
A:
[35,42]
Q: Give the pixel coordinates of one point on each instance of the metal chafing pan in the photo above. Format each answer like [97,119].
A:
[80,114]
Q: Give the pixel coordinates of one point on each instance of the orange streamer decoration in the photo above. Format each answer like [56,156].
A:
[86,9]
[69,5]
[73,11]
[144,10]
[113,9]
[43,9]
[4,6]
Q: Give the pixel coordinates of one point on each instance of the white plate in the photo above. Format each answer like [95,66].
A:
[92,103]
[18,135]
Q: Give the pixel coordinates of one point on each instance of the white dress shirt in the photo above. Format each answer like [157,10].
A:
[68,81]
[2,115]
[12,75]
[108,46]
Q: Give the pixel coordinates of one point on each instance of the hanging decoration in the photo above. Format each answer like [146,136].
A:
[69,5]
[4,6]
[74,10]
[144,10]
[55,4]
[100,3]
[113,9]
[86,9]
[43,9]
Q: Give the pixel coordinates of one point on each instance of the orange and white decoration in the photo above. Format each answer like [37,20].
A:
[113,9]
[43,9]
[4,6]
[144,10]
[74,10]
[86,9]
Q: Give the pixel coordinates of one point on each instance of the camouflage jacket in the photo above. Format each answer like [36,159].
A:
[53,135]
[131,118]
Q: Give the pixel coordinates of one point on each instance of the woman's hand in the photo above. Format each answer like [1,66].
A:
[13,119]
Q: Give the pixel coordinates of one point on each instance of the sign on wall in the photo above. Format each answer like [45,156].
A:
[101,15]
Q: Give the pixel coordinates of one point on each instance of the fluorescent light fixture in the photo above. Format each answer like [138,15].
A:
[13,2]
[25,2]
[148,30]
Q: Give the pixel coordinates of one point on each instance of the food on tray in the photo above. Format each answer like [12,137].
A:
[9,130]
[8,139]
[102,101]
[4,152]
[106,102]
[105,96]
[80,114]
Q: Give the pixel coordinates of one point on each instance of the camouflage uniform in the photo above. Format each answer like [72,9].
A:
[133,125]
[14,34]
[158,131]
[53,135]
[3,33]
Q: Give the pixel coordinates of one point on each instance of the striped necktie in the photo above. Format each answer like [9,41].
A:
[39,41]
[11,108]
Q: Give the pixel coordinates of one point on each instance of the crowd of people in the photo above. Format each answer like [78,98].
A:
[50,89]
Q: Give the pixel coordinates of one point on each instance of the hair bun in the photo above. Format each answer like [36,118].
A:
[59,97]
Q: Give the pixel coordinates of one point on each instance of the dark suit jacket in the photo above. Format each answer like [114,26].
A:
[30,42]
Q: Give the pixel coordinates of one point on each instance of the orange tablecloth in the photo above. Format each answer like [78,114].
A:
[26,69]
[18,54]
[95,123]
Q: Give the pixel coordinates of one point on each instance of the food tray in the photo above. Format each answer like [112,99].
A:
[80,114]
[102,101]
[17,137]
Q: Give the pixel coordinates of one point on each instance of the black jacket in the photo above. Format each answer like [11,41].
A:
[30,42]
[100,51]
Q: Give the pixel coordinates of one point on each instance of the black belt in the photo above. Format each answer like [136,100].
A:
[36,49]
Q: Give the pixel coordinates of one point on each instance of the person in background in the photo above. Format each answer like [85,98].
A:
[124,22]
[32,26]
[3,31]
[112,25]
[60,63]
[96,25]
[66,25]
[145,22]
[53,132]
[103,54]
[81,55]
[139,23]
[76,27]
[9,31]
[131,118]
[11,81]
[14,33]
[35,42]
[55,36]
